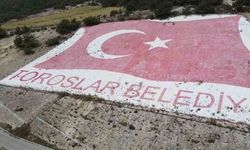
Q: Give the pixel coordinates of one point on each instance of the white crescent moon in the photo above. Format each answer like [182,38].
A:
[95,47]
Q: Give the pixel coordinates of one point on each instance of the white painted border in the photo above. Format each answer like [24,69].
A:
[193,18]
[244,28]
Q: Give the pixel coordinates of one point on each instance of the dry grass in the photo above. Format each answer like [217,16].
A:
[54,18]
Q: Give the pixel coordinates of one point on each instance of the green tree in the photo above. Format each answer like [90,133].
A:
[18,41]
[66,26]
[205,7]
[90,21]
[163,10]
[14,9]
[26,42]
[53,41]
[22,30]
[239,5]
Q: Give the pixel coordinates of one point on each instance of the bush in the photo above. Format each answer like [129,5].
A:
[53,41]
[18,41]
[108,3]
[22,30]
[3,33]
[224,8]
[26,43]
[163,10]
[75,24]
[133,5]
[66,26]
[208,7]
[205,7]
[240,5]
[90,21]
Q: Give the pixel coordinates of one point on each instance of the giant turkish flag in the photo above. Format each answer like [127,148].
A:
[210,50]
[199,65]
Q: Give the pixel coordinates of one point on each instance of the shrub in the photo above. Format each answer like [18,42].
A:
[3,33]
[22,30]
[205,7]
[63,27]
[163,10]
[26,43]
[90,21]
[18,41]
[133,5]
[208,7]
[53,41]
[224,8]
[66,26]
[239,5]
[75,24]
[108,3]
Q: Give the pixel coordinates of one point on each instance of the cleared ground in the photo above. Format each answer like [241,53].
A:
[53,18]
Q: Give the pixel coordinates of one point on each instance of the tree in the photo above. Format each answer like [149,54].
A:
[240,4]
[26,42]
[66,26]
[205,7]
[14,9]
[133,5]
[63,27]
[75,24]
[109,3]
[22,30]
[163,10]
[90,21]
[18,41]
[53,41]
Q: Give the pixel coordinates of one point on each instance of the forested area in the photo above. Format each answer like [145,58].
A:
[164,9]
[10,9]
[14,9]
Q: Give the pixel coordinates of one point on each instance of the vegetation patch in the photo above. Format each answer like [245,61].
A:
[90,21]
[53,41]
[26,41]
[66,26]
[78,13]
[22,30]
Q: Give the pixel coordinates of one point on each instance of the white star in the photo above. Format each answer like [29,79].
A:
[158,43]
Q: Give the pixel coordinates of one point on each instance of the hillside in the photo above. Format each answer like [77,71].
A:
[12,9]
[55,17]
[145,118]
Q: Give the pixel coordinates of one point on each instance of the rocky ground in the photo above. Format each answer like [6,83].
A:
[62,121]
